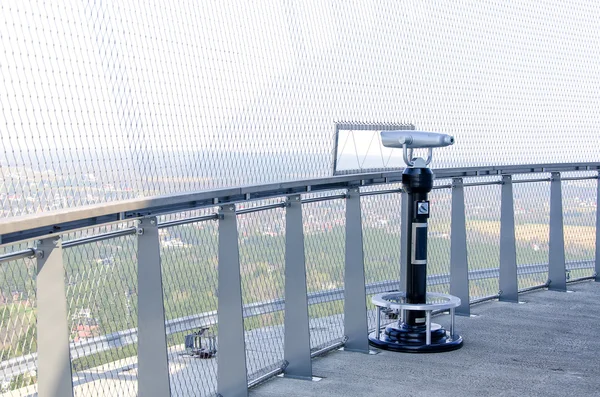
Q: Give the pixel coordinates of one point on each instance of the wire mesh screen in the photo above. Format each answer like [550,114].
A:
[579,224]
[104,101]
[324,239]
[18,328]
[101,282]
[482,213]
[381,238]
[189,261]
[438,244]
[107,101]
[262,266]
[381,246]
[532,231]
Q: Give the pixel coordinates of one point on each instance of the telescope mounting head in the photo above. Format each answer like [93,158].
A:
[409,140]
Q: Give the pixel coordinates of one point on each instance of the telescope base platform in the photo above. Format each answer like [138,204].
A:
[402,337]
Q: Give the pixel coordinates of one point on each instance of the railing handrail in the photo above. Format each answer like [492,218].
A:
[27,227]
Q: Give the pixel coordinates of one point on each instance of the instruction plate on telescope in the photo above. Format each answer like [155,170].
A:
[423,208]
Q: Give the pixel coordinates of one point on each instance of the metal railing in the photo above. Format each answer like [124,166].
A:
[244,299]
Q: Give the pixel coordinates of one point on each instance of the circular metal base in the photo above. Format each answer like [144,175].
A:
[401,337]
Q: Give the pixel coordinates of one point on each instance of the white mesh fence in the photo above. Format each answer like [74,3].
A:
[104,101]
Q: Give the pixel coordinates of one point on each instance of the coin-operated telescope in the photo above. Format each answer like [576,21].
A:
[414,332]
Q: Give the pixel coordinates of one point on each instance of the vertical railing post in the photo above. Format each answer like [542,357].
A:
[404,219]
[355,298]
[232,378]
[153,366]
[509,285]
[54,358]
[557,275]
[296,325]
[597,266]
[459,267]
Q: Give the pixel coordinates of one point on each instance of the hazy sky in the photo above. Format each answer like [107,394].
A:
[513,81]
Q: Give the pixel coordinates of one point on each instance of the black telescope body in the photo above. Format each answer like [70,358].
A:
[409,333]
[417,183]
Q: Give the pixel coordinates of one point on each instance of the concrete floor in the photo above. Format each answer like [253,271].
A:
[547,346]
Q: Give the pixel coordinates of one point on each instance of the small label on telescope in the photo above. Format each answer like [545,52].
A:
[419,244]
[420,320]
[423,208]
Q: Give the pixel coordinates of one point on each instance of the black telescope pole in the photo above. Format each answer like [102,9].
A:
[417,182]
